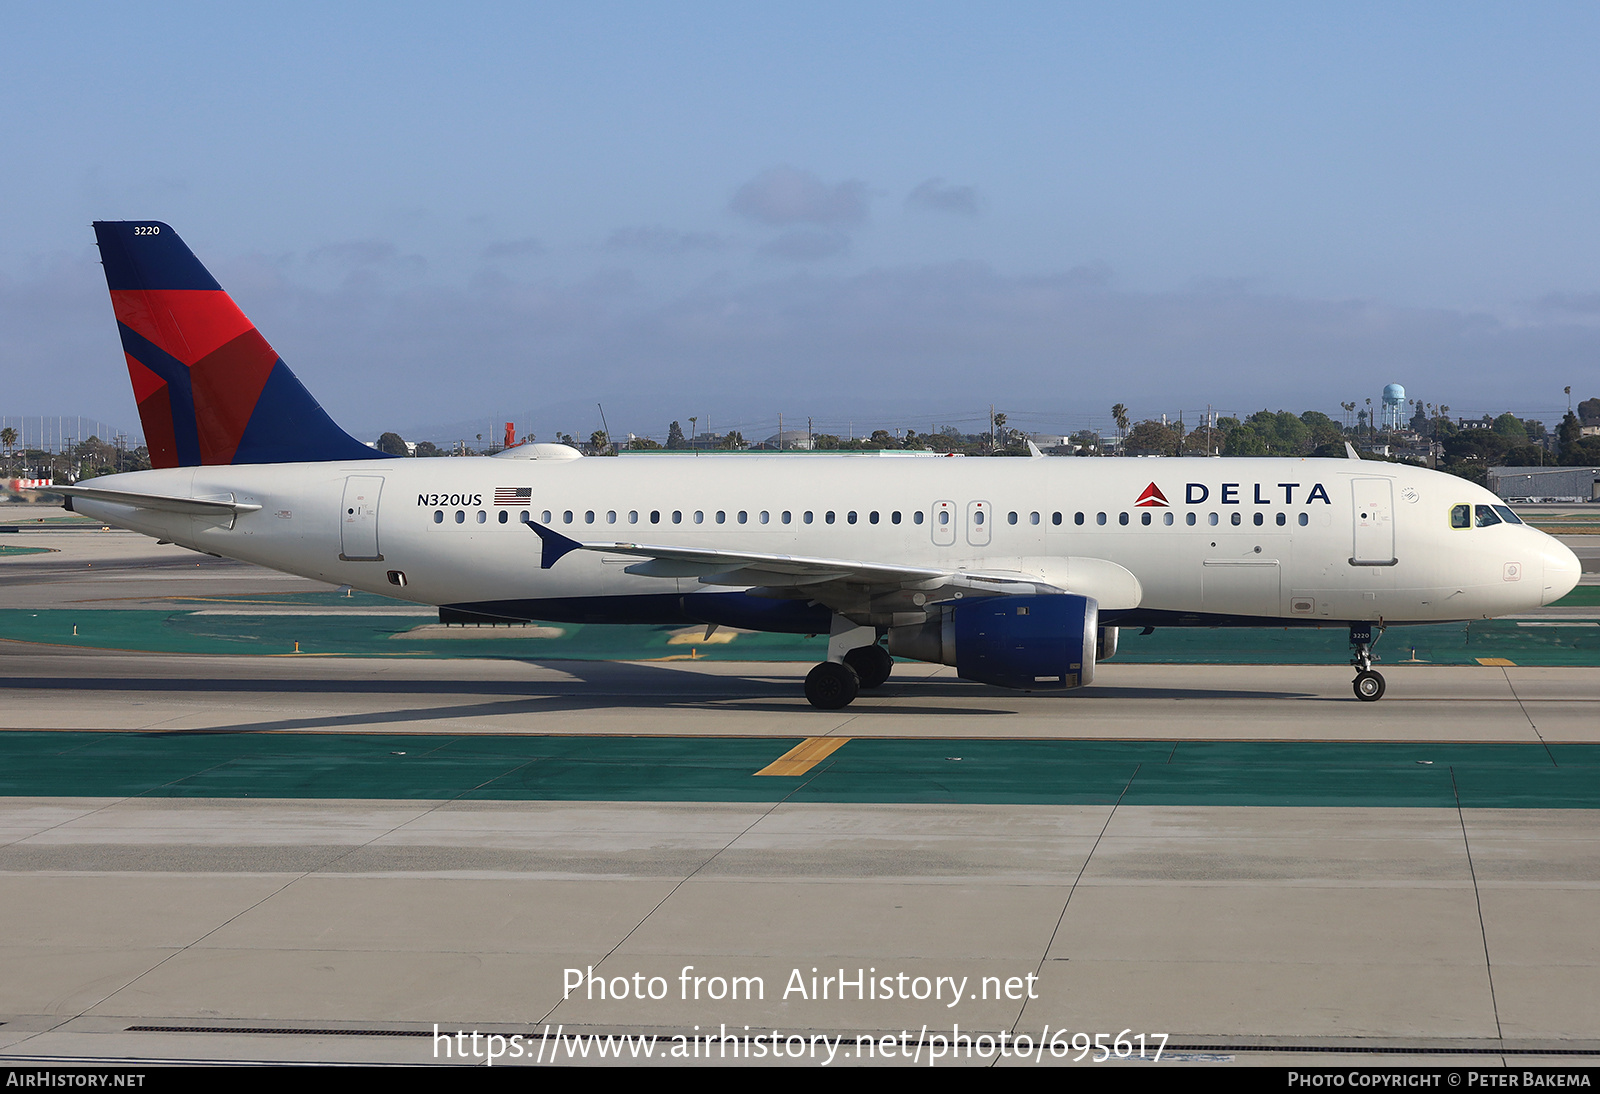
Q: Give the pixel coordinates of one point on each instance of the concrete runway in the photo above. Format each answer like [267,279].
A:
[208,928]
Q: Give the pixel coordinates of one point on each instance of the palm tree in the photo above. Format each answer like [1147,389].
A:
[1119,414]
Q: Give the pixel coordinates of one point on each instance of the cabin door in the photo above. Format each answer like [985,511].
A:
[358,517]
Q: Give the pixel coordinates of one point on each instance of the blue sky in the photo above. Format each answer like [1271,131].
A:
[875,215]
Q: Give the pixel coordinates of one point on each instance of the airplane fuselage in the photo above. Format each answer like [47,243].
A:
[1215,542]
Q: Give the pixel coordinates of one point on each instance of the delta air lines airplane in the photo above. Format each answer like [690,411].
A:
[1017,572]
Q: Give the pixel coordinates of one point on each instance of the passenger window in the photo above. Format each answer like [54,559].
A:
[1166,518]
[655,516]
[916,518]
[852,517]
[524,517]
[699,516]
[722,516]
[1144,519]
[894,517]
[977,518]
[764,516]
[505,515]
[611,516]
[1211,519]
[1122,518]
[1011,518]
[1461,516]
[1188,518]
[1260,519]
[944,518]
[438,516]
[545,517]
[677,516]
[566,517]
[588,516]
[786,516]
[1033,518]
[1305,519]
[1238,519]
[1077,518]
[1055,518]
[828,517]
[1283,518]
[461,517]
[744,518]
[633,516]
[1487,516]
[807,517]
[483,518]
[1099,518]
[872,517]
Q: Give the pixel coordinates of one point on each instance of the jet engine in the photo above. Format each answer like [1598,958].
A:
[1106,647]
[1030,642]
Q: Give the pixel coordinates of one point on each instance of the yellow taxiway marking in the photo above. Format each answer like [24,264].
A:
[1494,662]
[804,756]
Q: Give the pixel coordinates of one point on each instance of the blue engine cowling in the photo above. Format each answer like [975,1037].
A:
[1029,642]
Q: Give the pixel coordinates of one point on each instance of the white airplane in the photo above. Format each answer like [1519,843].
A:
[1017,572]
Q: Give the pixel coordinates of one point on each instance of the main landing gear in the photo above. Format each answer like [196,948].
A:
[855,661]
[1368,684]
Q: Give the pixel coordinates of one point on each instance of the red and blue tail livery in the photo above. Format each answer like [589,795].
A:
[209,387]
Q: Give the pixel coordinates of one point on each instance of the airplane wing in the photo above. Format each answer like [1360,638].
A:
[848,585]
[163,502]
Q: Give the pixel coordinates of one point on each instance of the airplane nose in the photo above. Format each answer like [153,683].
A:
[1561,571]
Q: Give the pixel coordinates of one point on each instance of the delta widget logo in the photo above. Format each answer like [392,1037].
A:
[1152,498]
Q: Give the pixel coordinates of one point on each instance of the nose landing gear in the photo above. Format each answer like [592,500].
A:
[1368,684]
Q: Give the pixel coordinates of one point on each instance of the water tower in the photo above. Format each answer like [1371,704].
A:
[1394,401]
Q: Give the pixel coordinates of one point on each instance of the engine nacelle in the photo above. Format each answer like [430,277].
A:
[1031,642]
[1106,646]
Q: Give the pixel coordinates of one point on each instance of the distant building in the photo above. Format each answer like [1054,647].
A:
[1546,483]
[790,440]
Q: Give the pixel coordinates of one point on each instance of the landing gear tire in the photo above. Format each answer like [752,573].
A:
[1368,686]
[832,686]
[872,664]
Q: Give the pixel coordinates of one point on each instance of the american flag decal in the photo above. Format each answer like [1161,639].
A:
[513,495]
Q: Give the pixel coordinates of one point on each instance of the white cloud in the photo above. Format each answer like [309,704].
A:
[934,195]
[807,246]
[514,248]
[787,195]
[654,239]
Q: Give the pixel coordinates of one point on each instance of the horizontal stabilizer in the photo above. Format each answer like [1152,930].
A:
[163,502]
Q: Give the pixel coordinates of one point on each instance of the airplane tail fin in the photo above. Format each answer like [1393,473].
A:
[210,389]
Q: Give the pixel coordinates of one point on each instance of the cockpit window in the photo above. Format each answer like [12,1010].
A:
[1507,515]
[1487,516]
[1461,516]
